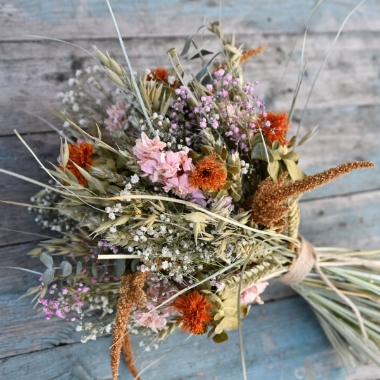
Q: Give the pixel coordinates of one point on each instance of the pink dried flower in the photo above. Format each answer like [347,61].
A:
[151,319]
[117,119]
[252,293]
[170,168]
[157,292]
[145,146]
[219,73]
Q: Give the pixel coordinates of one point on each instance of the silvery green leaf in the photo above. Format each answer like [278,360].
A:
[134,264]
[94,270]
[48,276]
[220,338]
[119,267]
[46,259]
[202,53]
[66,268]
[189,39]
[101,274]
[275,145]
[259,152]
[204,71]
[308,136]
[79,267]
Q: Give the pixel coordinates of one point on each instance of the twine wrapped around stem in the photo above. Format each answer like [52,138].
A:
[308,259]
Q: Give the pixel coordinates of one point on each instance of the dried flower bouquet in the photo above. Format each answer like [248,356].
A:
[177,200]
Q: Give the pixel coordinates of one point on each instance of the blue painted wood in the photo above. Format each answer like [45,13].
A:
[276,349]
[282,341]
[267,15]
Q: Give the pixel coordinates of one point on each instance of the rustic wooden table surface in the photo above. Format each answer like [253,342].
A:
[282,338]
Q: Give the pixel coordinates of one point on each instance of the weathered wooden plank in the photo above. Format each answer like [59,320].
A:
[370,372]
[15,157]
[18,318]
[33,72]
[90,18]
[24,329]
[282,341]
[15,282]
[352,132]
[352,221]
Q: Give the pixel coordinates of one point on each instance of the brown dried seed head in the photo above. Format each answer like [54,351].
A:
[132,294]
[268,203]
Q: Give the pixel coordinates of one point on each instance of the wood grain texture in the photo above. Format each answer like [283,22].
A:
[282,341]
[282,338]
[31,73]
[175,17]
[15,157]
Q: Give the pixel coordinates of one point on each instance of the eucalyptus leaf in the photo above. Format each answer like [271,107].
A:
[101,274]
[48,276]
[201,53]
[259,152]
[94,269]
[275,145]
[47,260]
[204,69]
[119,266]
[79,267]
[257,139]
[190,39]
[220,338]
[134,265]
[66,268]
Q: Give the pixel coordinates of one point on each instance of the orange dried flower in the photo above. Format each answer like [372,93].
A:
[209,174]
[81,155]
[277,129]
[158,74]
[195,311]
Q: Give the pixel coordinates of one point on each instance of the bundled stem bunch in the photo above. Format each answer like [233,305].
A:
[177,199]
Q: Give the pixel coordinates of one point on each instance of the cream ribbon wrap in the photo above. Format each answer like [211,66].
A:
[304,263]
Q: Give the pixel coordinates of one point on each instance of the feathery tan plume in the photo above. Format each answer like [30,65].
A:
[128,356]
[251,53]
[132,294]
[267,203]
